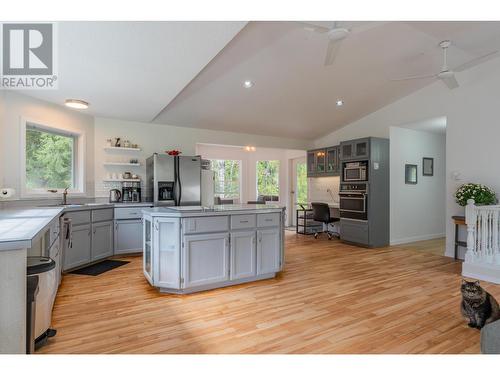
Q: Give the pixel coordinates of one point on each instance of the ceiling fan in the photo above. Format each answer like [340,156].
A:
[447,75]
[336,35]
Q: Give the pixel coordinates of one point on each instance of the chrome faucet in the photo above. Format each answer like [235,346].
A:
[65,196]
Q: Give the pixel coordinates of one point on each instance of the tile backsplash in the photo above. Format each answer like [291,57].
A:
[318,189]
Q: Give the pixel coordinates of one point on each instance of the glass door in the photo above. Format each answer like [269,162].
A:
[299,186]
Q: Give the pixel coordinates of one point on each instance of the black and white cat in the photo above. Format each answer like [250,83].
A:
[478,306]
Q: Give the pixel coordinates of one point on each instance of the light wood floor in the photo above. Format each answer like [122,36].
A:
[436,246]
[332,298]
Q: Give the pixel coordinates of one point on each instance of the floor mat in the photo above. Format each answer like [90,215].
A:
[99,268]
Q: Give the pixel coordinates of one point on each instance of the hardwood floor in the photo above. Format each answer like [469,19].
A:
[436,246]
[332,298]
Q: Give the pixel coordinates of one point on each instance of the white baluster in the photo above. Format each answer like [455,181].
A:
[484,234]
[471,221]
[496,255]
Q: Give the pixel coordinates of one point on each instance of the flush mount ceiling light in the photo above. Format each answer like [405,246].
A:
[247,84]
[249,148]
[76,103]
[339,103]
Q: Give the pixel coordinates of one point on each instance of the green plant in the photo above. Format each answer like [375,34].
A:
[481,194]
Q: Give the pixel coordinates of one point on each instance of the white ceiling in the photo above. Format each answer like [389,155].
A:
[294,93]
[131,70]
[191,73]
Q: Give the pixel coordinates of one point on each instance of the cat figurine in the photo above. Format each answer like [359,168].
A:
[478,306]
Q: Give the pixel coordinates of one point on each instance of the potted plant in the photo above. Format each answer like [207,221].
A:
[481,194]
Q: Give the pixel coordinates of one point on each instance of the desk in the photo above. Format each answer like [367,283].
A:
[458,220]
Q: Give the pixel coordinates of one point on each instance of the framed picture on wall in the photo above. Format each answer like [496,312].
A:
[428,166]
[411,174]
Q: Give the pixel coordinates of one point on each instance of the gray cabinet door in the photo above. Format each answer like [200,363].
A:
[79,253]
[206,259]
[346,150]
[166,254]
[268,251]
[128,236]
[243,255]
[362,148]
[102,240]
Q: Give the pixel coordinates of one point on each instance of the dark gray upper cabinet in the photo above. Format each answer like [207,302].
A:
[355,149]
[323,162]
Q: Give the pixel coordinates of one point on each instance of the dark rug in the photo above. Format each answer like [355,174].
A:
[101,267]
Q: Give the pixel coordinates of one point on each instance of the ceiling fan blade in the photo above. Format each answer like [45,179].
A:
[369,25]
[331,51]
[476,61]
[315,27]
[413,77]
[450,81]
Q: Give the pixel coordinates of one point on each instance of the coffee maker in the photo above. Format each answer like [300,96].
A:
[131,192]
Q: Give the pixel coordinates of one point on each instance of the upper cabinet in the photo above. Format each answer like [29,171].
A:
[355,149]
[323,162]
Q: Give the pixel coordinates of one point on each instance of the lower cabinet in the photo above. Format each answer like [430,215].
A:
[243,255]
[80,252]
[206,259]
[128,236]
[102,240]
[268,251]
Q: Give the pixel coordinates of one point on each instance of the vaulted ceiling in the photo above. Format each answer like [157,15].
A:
[191,73]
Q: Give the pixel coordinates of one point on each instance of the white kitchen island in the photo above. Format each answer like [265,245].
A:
[190,249]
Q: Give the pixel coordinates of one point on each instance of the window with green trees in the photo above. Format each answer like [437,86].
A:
[227,178]
[49,159]
[301,183]
[268,177]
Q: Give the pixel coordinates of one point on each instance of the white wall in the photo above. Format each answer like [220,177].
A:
[157,138]
[472,133]
[418,212]
[17,106]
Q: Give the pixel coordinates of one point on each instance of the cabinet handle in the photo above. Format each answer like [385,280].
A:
[243,221]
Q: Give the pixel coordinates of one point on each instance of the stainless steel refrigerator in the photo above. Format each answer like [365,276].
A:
[174,180]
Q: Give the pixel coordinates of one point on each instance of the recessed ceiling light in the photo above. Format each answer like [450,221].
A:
[248,84]
[339,103]
[76,103]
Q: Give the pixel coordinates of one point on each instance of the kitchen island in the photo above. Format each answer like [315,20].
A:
[190,249]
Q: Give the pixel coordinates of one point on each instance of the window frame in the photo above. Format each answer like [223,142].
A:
[79,188]
[240,182]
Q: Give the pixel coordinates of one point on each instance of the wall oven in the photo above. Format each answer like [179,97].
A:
[354,201]
[355,171]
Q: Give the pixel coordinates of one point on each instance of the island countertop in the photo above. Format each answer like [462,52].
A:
[232,209]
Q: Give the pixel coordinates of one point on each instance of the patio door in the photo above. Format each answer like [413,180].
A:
[299,186]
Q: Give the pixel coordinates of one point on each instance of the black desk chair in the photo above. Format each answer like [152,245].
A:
[321,213]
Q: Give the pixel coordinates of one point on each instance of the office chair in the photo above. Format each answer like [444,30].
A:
[321,213]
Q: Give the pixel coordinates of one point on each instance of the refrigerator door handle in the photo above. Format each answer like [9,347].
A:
[177,182]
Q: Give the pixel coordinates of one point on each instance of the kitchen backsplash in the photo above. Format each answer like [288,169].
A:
[318,189]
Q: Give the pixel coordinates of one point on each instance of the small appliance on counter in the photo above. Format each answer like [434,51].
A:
[131,192]
[115,196]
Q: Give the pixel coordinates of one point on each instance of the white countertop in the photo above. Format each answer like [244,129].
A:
[18,227]
[225,209]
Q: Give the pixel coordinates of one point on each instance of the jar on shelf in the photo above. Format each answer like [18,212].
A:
[109,143]
[126,143]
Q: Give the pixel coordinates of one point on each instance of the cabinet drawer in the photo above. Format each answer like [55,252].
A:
[243,221]
[102,215]
[268,220]
[128,213]
[206,224]
[79,217]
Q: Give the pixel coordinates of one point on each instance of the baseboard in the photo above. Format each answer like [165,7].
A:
[401,241]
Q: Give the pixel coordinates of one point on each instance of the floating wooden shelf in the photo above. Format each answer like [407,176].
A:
[128,164]
[123,148]
[122,180]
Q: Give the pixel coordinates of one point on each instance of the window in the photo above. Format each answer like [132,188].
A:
[268,183]
[227,178]
[50,160]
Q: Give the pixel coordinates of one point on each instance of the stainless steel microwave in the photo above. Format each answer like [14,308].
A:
[355,171]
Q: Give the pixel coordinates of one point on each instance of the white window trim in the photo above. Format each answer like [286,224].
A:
[240,185]
[78,167]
